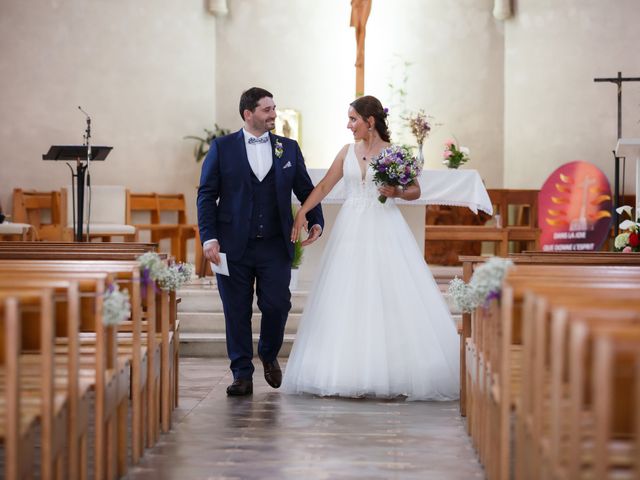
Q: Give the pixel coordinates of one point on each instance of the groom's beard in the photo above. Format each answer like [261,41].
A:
[263,126]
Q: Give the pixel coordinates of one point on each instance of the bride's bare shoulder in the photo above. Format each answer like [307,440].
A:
[342,153]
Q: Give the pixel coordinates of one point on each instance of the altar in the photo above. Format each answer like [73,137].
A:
[453,187]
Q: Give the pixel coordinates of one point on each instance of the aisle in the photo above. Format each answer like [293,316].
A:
[274,436]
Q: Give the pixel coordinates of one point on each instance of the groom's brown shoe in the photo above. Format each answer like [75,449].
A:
[272,373]
[240,387]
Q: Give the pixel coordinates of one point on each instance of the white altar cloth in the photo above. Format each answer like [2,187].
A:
[456,187]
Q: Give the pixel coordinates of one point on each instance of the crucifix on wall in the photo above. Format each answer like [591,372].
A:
[360,10]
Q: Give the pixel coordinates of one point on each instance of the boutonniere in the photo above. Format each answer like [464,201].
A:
[278,150]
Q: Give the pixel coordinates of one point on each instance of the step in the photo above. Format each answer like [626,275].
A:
[208,300]
[213,322]
[214,345]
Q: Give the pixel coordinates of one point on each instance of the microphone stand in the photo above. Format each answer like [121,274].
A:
[87,143]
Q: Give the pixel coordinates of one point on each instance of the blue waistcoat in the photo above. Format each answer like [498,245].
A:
[265,219]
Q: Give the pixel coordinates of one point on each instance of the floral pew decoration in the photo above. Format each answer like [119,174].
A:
[629,239]
[168,277]
[116,306]
[485,285]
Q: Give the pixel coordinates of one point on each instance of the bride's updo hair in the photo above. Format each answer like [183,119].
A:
[369,106]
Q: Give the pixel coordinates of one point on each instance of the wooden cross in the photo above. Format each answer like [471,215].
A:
[360,10]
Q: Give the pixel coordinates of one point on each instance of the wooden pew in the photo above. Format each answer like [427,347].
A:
[67,377]
[109,376]
[542,406]
[145,361]
[166,303]
[616,397]
[21,412]
[492,370]
[469,263]
[506,376]
[168,326]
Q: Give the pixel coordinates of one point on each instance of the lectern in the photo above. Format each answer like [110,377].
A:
[630,148]
[82,155]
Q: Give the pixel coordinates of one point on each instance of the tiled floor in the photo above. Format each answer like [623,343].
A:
[275,436]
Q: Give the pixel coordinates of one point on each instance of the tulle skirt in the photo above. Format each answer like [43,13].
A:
[375,323]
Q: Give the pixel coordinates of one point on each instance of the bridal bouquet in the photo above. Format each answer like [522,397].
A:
[395,166]
[454,156]
[629,239]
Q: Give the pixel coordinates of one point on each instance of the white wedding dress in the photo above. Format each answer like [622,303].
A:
[375,323]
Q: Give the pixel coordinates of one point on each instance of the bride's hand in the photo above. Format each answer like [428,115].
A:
[388,191]
[299,223]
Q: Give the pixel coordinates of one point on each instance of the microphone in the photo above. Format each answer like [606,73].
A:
[87,132]
[85,113]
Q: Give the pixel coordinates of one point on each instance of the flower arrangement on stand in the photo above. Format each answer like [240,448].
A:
[454,156]
[420,126]
[629,239]
[485,284]
[395,165]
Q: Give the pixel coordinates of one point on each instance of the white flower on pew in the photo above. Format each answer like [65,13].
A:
[485,284]
[167,277]
[116,307]
[175,276]
[153,264]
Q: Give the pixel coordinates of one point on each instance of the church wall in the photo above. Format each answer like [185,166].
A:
[554,111]
[519,93]
[304,53]
[144,71]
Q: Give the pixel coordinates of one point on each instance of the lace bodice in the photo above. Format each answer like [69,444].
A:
[355,186]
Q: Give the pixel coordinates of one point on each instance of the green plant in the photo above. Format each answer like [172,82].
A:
[202,147]
[298,252]
[298,249]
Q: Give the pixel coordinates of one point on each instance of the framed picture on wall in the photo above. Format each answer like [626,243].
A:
[288,124]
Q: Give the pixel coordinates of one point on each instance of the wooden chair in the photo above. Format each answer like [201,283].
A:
[45,211]
[167,219]
[174,204]
[107,206]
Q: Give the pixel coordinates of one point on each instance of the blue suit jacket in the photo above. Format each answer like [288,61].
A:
[225,191]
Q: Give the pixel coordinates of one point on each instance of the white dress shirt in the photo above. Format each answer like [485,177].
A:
[259,154]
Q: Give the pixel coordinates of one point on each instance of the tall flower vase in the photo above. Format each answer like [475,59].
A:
[420,155]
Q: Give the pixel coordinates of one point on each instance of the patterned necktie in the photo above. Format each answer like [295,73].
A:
[253,140]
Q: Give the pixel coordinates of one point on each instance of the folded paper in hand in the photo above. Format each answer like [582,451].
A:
[222,268]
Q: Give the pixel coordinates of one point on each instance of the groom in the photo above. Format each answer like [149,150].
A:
[244,210]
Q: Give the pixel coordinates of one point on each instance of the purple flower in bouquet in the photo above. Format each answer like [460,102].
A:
[395,165]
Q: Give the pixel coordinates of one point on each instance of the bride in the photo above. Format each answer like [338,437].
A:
[375,323]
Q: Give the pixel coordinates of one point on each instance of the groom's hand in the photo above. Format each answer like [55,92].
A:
[314,234]
[211,251]
[299,223]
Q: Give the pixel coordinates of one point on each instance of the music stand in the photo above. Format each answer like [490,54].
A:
[80,155]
